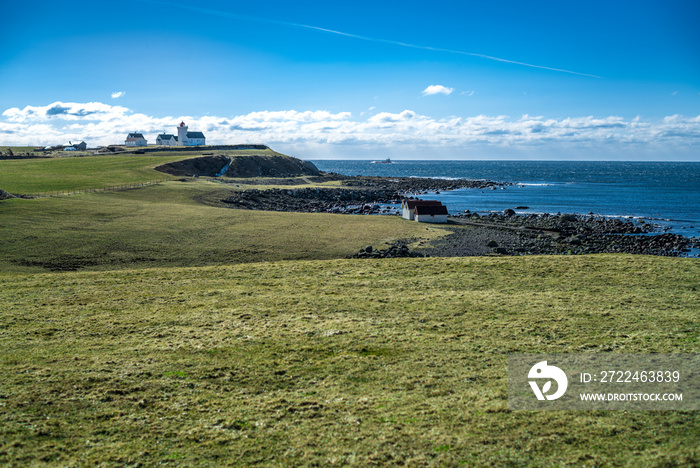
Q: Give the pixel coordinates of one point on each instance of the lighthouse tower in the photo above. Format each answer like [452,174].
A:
[182,134]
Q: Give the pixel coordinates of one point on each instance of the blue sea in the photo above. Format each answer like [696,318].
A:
[663,193]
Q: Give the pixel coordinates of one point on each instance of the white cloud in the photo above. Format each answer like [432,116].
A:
[65,111]
[339,133]
[118,94]
[437,89]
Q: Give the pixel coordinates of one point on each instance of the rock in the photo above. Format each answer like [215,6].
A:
[396,250]
[5,195]
[573,240]
[522,207]
[492,243]
[509,212]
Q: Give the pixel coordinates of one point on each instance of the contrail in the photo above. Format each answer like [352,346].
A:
[225,14]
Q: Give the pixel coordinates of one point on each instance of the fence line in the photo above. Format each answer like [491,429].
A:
[113,188]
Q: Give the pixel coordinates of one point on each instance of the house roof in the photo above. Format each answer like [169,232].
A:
[413,203]
[134,135]
[195,135]
[431,210]
[166,136]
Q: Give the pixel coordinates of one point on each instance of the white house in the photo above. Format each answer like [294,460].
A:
[82,146]
[135,139]
[185,138]
[431,213]
[408,206]
[166,139]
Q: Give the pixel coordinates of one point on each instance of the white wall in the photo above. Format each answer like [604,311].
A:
[440,219]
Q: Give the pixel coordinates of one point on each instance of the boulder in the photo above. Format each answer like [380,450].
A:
[573,240]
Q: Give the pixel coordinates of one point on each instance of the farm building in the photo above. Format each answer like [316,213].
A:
[135,139]
[408,206]
[82,146]
[431,213]
[166,139]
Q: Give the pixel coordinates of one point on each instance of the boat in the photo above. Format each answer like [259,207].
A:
[386,161]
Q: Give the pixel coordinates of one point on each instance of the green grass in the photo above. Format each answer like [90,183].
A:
[323,363]
[17,149]
[164,225]
[71,173]
[66,174]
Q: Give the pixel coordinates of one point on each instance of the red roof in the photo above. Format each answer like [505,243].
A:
[431,209]
[413,203]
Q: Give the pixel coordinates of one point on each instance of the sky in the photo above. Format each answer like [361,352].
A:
[594,80]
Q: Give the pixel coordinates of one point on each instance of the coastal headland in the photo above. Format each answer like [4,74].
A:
[470,234]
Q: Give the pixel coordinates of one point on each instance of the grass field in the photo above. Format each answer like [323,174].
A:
[395,362]
[67,174]
[196,335]
[16,149]
[163,225]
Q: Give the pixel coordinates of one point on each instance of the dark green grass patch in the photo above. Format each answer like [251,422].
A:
[163,226]
[390,363]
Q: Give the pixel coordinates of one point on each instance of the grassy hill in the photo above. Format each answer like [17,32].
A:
[165,225]
[67,174]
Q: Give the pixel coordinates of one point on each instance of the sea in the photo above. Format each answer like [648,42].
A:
[666,194]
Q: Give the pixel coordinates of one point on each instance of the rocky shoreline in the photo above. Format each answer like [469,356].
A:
[471,234]
[361,195]
[314,200]
[556,235]
[417,185]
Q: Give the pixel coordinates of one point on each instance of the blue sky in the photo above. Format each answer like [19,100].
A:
[440,79]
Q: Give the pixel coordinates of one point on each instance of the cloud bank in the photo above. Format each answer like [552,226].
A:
[437,89]
[324,134]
